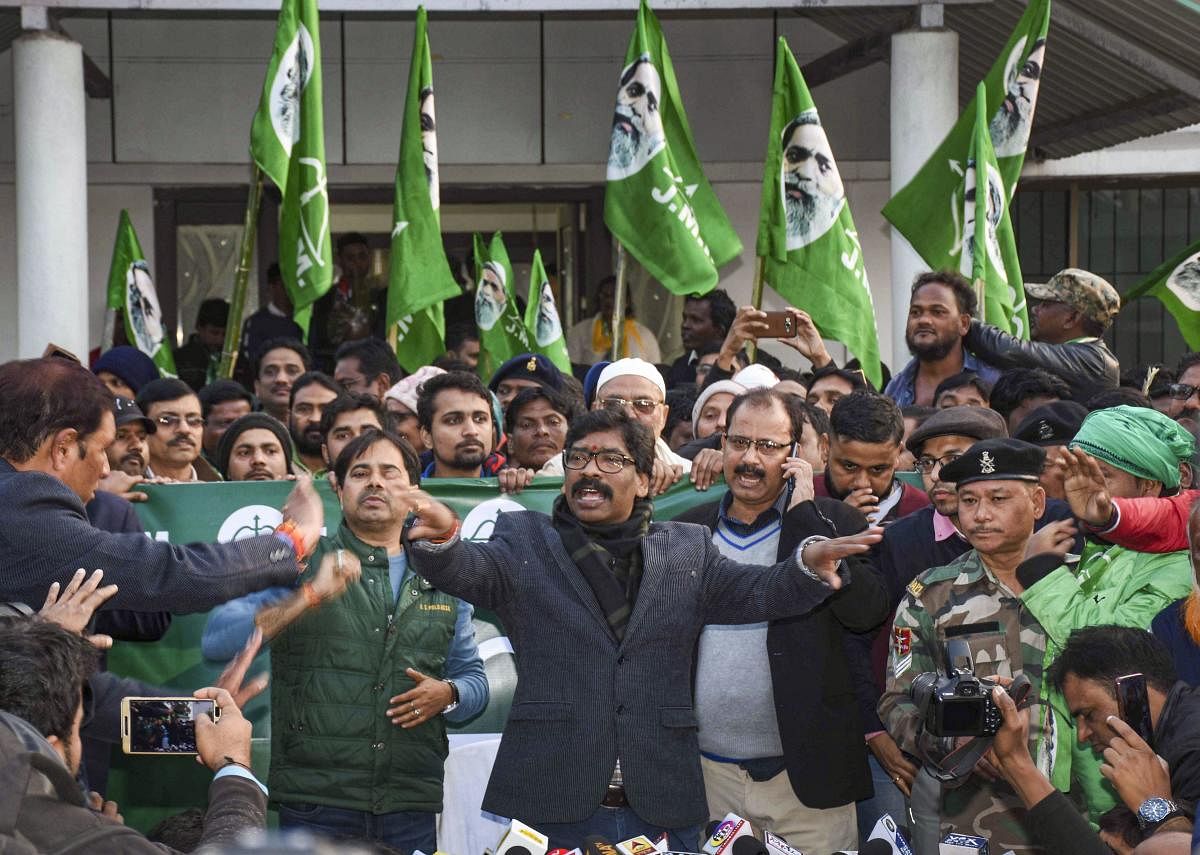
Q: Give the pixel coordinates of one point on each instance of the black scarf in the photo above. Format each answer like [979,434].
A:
[609,557]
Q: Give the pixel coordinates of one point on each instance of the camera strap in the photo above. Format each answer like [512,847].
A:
[954,768]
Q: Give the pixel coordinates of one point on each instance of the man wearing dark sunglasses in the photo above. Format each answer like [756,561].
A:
[606,607]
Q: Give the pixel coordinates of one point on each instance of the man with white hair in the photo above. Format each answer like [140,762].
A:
[636,386]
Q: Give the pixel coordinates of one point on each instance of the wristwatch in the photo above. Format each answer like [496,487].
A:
[1156,810]
[453,695]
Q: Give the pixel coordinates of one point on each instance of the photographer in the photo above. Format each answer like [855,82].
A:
[973,599]
[43,670]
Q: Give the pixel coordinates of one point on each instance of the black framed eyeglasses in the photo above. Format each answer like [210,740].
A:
[1181,391]
[170,421]
[609,462]
[645,406]
[925,465]
[765,447]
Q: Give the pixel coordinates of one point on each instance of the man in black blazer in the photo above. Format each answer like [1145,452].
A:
[604,607]
[780,735]
[56,421]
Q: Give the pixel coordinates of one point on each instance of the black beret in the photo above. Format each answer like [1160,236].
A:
[528,366]
[1052,424]
[975,422]
[1001,459]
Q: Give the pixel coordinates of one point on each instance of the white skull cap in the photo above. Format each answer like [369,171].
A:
[631,366]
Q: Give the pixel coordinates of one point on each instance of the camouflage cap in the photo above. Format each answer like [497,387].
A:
[1081,290]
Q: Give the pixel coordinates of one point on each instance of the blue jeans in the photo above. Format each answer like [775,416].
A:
[615,825]
[403,830]
[887,799]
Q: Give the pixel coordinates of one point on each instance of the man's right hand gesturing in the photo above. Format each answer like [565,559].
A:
[433,519]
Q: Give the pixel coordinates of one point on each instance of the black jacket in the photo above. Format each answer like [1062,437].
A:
[1087,366]
[815,702]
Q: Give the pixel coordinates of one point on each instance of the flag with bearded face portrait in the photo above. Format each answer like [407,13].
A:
[806,236]
[502,333]
[928,210]
[658,203]
[419,277]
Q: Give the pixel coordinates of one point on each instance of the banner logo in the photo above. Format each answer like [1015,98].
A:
[1009,128]
[637,131]
[1184,282]
[291,76]
[142,304]
[813,193]
[481,521]
[492,295]
[249,521]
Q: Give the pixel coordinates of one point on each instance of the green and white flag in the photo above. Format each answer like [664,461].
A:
[658,203]
[419,276]
[928,210]
[502,333]
[806,236]
[1176,283]
[542,322]
[996,272]
[287,141]
[131,292]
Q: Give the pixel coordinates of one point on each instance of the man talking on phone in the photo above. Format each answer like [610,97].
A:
[762,690]
[864,444]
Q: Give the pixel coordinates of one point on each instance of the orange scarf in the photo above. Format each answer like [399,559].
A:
[602,338]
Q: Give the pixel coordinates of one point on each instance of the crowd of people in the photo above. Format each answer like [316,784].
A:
[1014,511]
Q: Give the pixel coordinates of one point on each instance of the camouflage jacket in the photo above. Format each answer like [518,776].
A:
[964,600]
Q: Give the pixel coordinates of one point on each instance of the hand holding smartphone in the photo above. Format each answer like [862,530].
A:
[1133,705]
[162,725]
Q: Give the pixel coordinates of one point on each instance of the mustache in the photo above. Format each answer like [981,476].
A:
[134,455]
[750,469]
[374,494]
[591,484]
[182,440]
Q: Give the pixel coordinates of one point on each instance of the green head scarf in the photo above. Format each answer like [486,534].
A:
[1137,440]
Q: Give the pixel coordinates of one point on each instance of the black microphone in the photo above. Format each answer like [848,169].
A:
[876,847]
[748,846]
[597,845]
[710,828]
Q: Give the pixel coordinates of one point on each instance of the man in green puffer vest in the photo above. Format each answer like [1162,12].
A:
[361,680]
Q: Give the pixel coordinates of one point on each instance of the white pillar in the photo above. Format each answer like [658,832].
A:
[51,172]
[924,106]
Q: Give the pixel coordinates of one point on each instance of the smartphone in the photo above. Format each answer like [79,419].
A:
[1134,706]
[779,325]
[162,725]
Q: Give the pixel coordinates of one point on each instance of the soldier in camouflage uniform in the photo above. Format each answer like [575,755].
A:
[976,599]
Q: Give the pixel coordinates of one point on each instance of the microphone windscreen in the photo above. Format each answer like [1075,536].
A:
[748,846]
[518,850]
[711,827]
[877,847]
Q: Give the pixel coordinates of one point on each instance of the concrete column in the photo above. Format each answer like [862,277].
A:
[924,106]
[51,177]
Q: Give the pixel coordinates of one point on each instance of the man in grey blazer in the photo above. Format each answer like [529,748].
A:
[604,608]
[56,421]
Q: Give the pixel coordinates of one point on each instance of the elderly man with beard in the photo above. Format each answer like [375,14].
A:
[940,309]
[1009,127]
[975,599]
[757,752]
[312,392]
[454,411]
[606,607]
[492,295]
[637,132]
[176,442]
[812,188]
[255,448]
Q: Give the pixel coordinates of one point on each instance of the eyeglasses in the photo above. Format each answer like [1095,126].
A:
[645,406]
[172,421]
[765,447]
[1181,391]
[610,462]
[925,465]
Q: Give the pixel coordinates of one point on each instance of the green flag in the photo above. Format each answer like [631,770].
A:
[806,236]
[658,203]
[1176,283]
[131,292]
[502,332]
[928,210]
[542,322]
[986,222]
[419,276]
[287,141]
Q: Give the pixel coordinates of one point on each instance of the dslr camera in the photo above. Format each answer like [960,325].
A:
[956,703]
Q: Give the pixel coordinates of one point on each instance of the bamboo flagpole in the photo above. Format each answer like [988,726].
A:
[756,295]
[241,276]
[618,316]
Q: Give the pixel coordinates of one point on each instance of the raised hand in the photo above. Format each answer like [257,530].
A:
[79,601]
[823,556]
[1085,487]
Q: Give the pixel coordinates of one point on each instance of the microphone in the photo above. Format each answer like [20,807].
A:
[731,828]
[962,844]
[885,831]
[748,846]
[775,845]
[640,845]
[597,845]
[520,839]
[876,846]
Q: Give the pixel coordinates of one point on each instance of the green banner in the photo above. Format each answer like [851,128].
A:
[541,317]
[1176,282]
[131,292]
[223,512]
